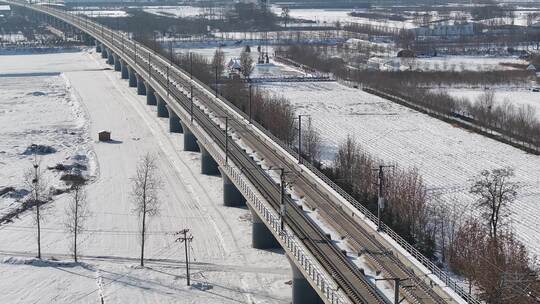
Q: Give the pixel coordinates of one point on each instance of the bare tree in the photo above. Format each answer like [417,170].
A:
[77,212]
[469,243]
[246,64]
[495,191]
[346,159]
[34,180]
[218,61]
[145,187]
[448,218]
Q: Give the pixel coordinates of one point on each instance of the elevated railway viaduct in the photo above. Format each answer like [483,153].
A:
[252,162]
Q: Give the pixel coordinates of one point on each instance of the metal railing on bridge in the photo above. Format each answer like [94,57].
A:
[299,253]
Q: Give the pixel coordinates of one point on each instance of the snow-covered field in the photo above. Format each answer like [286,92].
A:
[182,11]
[117,13]
[39,110]
[516,96]
[331,16]
[225,269]
[447,156]
[466,63]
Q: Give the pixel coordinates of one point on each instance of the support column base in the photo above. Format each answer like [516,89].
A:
[262,237]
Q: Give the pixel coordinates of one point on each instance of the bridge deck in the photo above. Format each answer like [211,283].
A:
[347,275]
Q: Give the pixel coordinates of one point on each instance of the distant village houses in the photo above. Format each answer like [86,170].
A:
[444,29]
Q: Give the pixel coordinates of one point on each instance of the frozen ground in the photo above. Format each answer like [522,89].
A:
[331,16]
[182,11]
[102,13]
[39,110]
[225,267]
[446,156]
[516,96]
[466,63]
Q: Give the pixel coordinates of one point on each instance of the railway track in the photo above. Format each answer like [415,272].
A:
[351,280]
[380,258]
[416,291]
[375,252]
[347,275]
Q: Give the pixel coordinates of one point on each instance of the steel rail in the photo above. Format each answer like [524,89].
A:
[180,79]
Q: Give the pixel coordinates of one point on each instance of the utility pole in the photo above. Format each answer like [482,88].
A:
[191,99]
[185,239]
[283,207]
[171,51]
[190,66]
[168,86]
[250,102]
[216,80]
[380,193]
[397,283]
[226,138]
[149,67]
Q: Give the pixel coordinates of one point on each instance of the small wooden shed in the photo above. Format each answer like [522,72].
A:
[104,135]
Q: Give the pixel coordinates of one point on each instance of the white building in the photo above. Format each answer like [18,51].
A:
[446,28]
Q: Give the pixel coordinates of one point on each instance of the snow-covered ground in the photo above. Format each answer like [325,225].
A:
[116,13]
[39,110]
[466,63]
[181,11]
[516,96]
[331,16]
[225,269]
[446,156]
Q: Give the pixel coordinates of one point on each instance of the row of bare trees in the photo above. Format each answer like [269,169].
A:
[518,122]
[406,212]
[484,248]
[76,210]
[275,113]
[476,242]
[145,188]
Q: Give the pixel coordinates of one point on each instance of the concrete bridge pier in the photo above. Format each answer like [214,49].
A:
[141,88]
[110,57]
[161,107]
[117,65]
[302,292]
[261,236]
[132,77]
[98,46]
[190,141]
[174,122]
[124,69]
[104,53]
[86,39]
[232,197]
[151,98]
[208,164]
